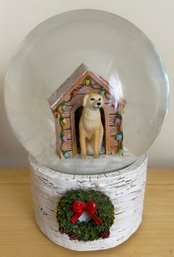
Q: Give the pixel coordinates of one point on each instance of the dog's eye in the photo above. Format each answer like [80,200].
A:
[92,99]
[99,99]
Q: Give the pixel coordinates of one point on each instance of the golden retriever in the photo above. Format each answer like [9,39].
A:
[90,125]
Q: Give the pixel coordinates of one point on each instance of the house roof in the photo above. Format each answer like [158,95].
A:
[67,84]
[54,99]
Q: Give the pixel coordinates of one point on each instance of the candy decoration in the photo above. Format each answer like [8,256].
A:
[79,207]
[75,91]
[118,137]
[55,115]
[102,92]
[87,82]
[117,121]
[64,121]
[65,139]
[66,154]
[63,106]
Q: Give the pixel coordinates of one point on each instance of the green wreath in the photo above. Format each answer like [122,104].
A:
[97,227]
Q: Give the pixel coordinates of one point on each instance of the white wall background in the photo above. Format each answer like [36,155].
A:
[154,17]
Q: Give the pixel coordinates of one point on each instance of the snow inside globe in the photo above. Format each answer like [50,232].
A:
[86,92]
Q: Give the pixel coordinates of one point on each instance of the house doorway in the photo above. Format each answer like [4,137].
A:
[77,116]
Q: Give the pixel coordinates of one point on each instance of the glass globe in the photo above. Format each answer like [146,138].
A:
[113,48]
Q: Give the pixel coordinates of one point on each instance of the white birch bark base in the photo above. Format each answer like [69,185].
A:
[125,189]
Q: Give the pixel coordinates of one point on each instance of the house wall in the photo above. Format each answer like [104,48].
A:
[72,104]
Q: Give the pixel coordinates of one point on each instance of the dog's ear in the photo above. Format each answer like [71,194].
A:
[85,100]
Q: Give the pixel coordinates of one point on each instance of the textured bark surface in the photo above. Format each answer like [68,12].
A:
[125,189]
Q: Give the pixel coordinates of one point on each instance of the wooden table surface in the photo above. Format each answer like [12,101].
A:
[20,237]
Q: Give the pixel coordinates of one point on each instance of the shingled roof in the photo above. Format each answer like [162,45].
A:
[67,84]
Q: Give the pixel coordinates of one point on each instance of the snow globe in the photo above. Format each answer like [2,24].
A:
[86,94]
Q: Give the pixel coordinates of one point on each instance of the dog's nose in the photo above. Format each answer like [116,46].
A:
[98,104]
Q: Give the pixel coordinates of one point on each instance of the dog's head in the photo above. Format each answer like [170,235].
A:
[93,101]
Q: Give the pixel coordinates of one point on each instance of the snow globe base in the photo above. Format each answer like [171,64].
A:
[124,188]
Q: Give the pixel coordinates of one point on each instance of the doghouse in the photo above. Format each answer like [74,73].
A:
[66,105]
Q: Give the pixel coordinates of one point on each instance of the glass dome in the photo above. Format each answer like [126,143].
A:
[115,51]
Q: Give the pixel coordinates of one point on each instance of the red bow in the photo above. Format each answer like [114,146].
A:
[79,207]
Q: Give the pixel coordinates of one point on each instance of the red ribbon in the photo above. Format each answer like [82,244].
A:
[79,207]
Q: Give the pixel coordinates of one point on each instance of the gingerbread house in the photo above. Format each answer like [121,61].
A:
[66,105]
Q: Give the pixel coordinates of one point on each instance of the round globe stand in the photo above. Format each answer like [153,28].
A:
[125,188]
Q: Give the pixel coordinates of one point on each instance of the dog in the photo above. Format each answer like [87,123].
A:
[90,125]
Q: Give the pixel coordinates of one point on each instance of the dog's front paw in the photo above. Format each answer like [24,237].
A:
[83,156]
[96,156]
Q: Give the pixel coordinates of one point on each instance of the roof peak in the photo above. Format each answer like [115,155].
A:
[81,69]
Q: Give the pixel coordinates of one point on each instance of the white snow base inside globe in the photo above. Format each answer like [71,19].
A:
[125,188]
